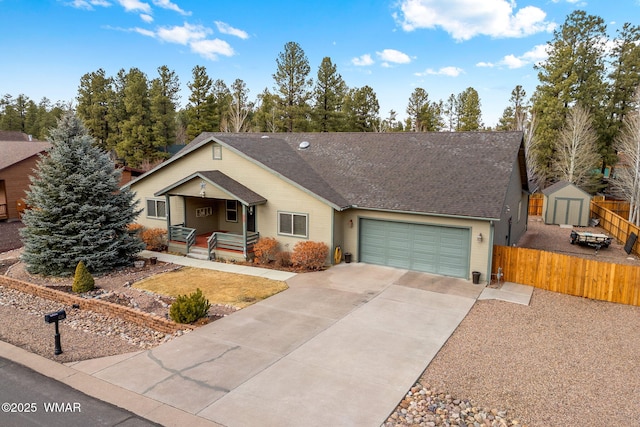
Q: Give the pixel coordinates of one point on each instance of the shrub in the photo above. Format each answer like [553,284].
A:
[265,249]
[134,228]
[154,238]
[82,280]
[283,259]
[310,255]
[188,309]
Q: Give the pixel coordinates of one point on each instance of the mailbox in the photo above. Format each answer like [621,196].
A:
[55,316]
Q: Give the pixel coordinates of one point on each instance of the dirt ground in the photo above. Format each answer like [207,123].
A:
[554,238]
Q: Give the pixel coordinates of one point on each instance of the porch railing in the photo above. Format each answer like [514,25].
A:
[180,233]
[231,242]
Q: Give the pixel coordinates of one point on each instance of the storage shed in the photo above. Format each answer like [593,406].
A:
[564,203]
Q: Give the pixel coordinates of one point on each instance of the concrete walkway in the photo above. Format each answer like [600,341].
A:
[338,348]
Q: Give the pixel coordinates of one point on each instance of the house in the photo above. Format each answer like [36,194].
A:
[565,203]
[19,154]
[434,202]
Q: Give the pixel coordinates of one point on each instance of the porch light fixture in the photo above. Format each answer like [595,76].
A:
[202,186]
[479,237]
[350,223]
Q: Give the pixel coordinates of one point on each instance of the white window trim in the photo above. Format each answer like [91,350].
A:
[156,201]
[216,152]
[227,210]
[294,214]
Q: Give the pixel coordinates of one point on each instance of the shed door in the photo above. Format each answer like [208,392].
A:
[568,211]
[428,248]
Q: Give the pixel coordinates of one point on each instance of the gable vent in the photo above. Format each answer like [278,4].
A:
[304,145]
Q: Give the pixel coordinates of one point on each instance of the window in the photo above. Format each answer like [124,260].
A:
[292,224]
[156,208]
[217,152]
[232,211]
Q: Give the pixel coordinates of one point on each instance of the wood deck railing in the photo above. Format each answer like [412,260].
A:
[180,233]
[231,242]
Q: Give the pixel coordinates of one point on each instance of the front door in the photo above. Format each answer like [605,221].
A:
[251,218]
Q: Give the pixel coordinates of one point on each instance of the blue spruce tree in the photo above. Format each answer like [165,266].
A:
[76,210]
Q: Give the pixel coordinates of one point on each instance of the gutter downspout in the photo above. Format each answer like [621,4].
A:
[491,233]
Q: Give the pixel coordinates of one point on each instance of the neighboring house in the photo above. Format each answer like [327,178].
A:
[128,174]
[434,202]
[566,204]
[19,154]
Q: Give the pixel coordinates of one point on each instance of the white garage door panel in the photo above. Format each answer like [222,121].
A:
[434,249]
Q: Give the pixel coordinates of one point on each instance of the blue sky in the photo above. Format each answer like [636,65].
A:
[395,46]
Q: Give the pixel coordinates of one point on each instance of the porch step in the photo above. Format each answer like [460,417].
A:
[198,253]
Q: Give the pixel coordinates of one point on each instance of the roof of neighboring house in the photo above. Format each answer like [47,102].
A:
[14,135]
[223,182]
[12,152]
[443,173]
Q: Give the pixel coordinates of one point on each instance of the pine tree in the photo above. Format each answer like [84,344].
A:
[137,143]
[164,99]
[329,94]
[469,114]
[77,211]
[93,105]
[293,86]
[199,113]
[362,110]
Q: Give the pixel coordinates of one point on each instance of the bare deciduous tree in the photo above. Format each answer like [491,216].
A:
[627,145]
[576,153]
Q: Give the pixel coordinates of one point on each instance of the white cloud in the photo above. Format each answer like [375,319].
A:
[465,19]
[144,32]
[146,18]
[533,56]
[88,4]
[167,4]
[183,34]
[225,28]
[395,56]
[210,49]
[135,6]
[444,71]
[363,61]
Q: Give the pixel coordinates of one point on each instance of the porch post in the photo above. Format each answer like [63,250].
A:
[244,230]
[167,209]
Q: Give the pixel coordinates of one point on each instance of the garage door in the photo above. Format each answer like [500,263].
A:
[429,248]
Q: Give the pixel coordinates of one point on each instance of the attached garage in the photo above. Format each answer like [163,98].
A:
[430,248]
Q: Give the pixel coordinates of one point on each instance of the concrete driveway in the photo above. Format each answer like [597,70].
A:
[338,348]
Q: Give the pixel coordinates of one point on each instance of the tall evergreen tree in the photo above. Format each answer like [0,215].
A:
[164,100]
[328,94]
[93,105]
[199,106]
[116,111]
[293,85]
[137,143]
[267,117]
[449,112]
[515,115]
[220,101]
[469,112]
[573,73]
[77,212]
[362,110]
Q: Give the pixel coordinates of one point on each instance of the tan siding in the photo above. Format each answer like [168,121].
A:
[281,196]
[16,180]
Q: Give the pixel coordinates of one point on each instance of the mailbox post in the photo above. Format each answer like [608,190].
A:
[54,318]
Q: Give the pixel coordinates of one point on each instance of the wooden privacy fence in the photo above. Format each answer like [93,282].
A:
[617,226]
[569,275]
[535,204]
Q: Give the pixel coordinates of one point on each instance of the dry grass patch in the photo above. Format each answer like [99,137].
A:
[218,287]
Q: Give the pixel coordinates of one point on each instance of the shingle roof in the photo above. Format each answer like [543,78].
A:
[443,173]
[225,183]
[12,152]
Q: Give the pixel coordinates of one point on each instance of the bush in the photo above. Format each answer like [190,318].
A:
[188,309]
[283,259]
[310,255]
[82,280]
[265,249]
[134,228]
[154,238]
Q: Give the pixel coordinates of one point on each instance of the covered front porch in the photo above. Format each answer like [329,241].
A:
[211,216]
